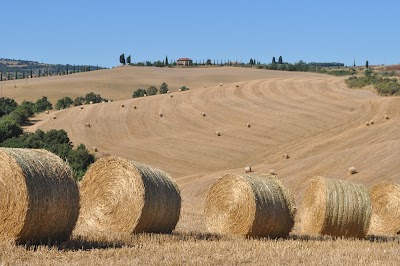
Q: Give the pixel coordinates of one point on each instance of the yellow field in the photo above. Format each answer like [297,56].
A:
[314,118]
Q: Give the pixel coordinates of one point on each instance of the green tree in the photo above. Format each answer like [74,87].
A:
[122,59]
[64,103]
[208,62]
[166,60]
[80,160]
[7,105]
[184,88]
[9,128]
[366,64]
[280,60]
[138,93]
[128,60]
[273,60]
[79,100]
[151,90]
[163,88]
[42,105]
[92,97]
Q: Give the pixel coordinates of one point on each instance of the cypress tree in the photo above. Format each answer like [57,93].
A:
[273,60]
[366,64]
[31,73]
[67,69]
[166,60]
[39,73]
[354,62]
[1,76]
[16,75]
[74,69]
[280,60]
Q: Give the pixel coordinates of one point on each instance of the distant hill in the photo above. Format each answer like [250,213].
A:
[24,68]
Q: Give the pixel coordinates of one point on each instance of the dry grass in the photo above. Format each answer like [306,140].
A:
[385,199]
[249,205]
[122,196]
[336,208]
[39,198]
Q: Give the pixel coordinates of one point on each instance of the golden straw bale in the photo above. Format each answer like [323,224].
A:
[336,208]
[248,125]
[39,199]
[122,196]
[203,114]
[247,169]
[122,105]
[271,172]
[285,156]
[249,205]
[54,117]
[95,149]
[134,107]
[46,112]
[371,122]
[386,117]
[218,133]
[367,123]
[385,199]
[352,170]
[87,125]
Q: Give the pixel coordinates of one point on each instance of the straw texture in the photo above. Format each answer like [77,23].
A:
[39,199]
[336,208]
[122,196]
[385,219]
[249,205]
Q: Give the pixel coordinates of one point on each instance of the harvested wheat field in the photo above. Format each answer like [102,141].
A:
[314,118]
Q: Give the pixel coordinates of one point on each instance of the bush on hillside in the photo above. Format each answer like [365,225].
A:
[151,91]
[9,128]
[138,93]
[42,105]
[7,105]
[92,97]
[163,88]
[79,100]
[64,103]
[184,88]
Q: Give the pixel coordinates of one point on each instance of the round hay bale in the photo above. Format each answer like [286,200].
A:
[95,149]
[87,125]
[249,205]
[237,86]
[367,123]
[122,105]
[171,95]
[91,102]
[371,122]
[385,218]
[46,112]
[220,84]
[54,117]
[203,114]
[122,196]
[336,208]
[134,107]
[247,169]
[145,95]
[352,170]
[386,117]
[168,92]
[39,199]
[160,114]
[109,101]
[180,90]
[205,86]
[248,125]
[271,172]
[81,107]
[285,156]
[218,133]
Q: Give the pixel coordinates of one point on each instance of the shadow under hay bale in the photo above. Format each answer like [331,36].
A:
[249,205]
[122,196]
[39,199]
[336,208]
[385,218]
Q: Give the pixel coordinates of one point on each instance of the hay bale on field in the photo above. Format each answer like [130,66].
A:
[46,112]
[95,149]
[205,86]
[122,105]
[180,90]
[134,107]
[247,169]
[218,133]
[160,114]
[249,205]
[367,123]
[87,125]
[171,95]
[39,199]
[386,117]
[81,107]
[352,170]
[285,156]
[371,122]
[336,208]
[220,84]
[122,196]
[168,92]
[385,218]
[203,114]
[91,102]
[54,117]
[145,95]
[248,125]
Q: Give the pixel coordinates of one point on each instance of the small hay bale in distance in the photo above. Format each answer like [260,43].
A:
[249,205]
[94,149]
[247,169]
[371,122]
[271,172]
[46,112]
[180,90]
[81,107]
[220,84]
[352,170]
[91,102]
[367,123]
[171,95]
[248,125]
[122,105]
[205,86]
[203,114]
[54,117]
[122,196]
[39,197]
[385,218]
[218,133]
[168,92]
[145,95]
[337,208]
[87,125]
[285,156]
[386,117]
[160,114]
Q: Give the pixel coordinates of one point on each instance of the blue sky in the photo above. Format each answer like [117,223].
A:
[97,32]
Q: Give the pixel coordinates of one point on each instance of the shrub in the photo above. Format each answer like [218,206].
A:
[9,128]
[163,88]
[63,103]
[79,100]
[42,105]
[151,90]
[92,97]
[138,93]
[7,105]
[79,160]
[184,88]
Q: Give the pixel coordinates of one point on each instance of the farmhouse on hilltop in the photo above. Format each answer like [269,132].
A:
[184,62]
